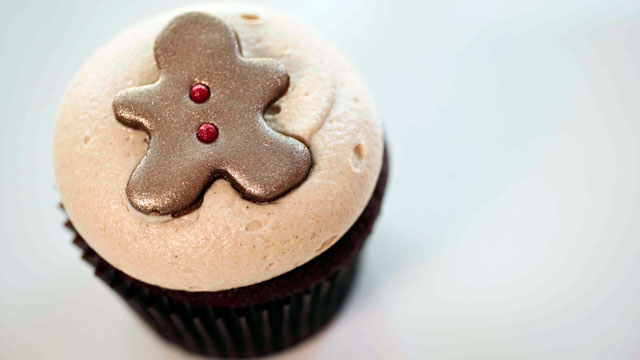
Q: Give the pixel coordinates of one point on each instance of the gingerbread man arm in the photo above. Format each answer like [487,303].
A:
[270,78]
[135,107]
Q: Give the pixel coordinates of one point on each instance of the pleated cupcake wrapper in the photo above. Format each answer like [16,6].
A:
[244,331]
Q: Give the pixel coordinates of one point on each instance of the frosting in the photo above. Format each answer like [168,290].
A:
[229,241]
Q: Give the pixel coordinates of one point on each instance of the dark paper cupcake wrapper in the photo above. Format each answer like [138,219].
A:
[245,331]
[255,320]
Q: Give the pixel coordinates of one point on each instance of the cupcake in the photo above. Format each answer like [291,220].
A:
[221,167]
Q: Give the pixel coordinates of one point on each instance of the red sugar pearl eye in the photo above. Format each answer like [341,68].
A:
[207,133]
[199,93]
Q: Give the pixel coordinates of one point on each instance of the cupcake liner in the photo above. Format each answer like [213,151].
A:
[254,320]
[226,331]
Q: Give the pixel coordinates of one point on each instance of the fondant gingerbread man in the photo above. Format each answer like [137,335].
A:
[204,118]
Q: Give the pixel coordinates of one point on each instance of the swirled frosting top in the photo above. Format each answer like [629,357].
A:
[229,241]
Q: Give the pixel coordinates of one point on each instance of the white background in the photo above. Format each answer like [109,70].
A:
[511,224]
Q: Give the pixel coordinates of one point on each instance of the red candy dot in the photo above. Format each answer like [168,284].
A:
[199,93]
[207,133]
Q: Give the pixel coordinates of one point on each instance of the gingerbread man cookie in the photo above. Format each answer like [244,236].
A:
[204,118]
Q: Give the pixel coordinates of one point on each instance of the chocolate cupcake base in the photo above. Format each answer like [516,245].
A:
[253,320]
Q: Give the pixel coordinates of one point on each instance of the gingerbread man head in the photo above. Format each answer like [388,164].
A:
[204,118]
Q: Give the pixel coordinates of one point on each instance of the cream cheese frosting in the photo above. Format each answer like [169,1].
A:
[228,242]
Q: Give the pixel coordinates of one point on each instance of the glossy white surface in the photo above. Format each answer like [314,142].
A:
[511,227]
